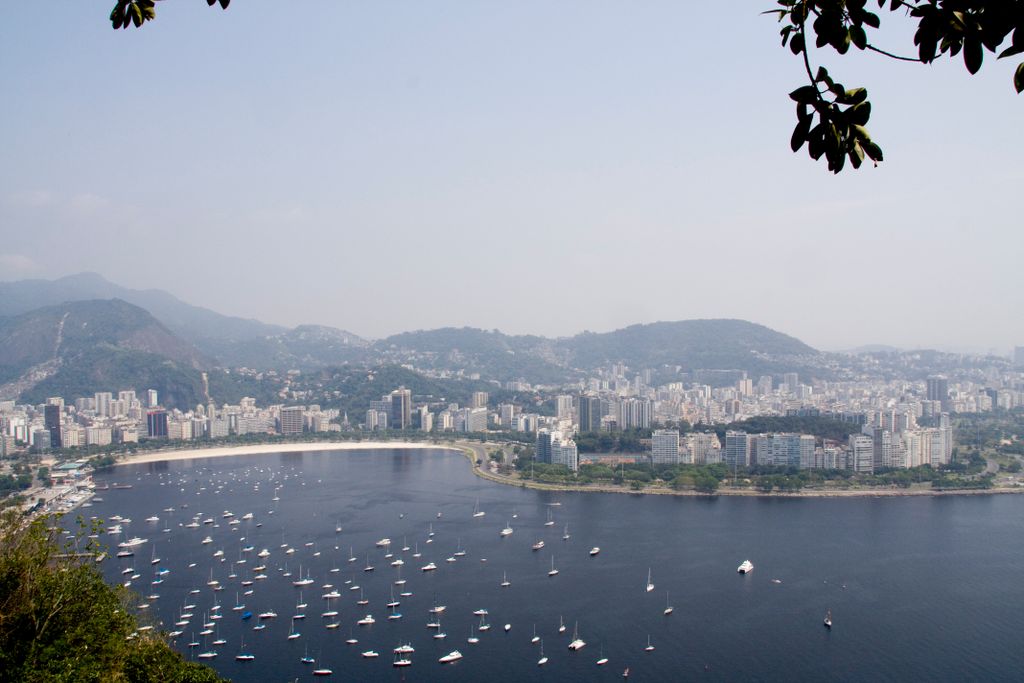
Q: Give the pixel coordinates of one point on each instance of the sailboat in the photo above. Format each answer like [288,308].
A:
[602,660]
[306,659]
[577,642]
[242,655]
[828,619]
[561,624]
[553,570]
[650,586]
[505,583]
[668,606]
[472,640]
[543,659]
[535,638]
[551,521]
[477,512]
[565,534]
[649,648]
[507,531]
[351,557]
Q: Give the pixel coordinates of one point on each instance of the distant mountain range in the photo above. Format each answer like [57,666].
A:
[73,335]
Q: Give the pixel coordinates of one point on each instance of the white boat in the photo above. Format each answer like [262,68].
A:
[538,545]
[480,612]
[746,567]
[505,583]
[543,659]
[383,543]
[452,656]
[402,661]
[507,531]
[154,518]
[561,624]
[565,534]
[370,654]
[650,586]
[550,521]
[668,606]
[553,570]
[602,660]
[367,620]
[472,640]
[594,551]
[536,638]
[577,642]
[828,619]
[429,567]
[131,543]
[649,648]
[322,672]
[405,649]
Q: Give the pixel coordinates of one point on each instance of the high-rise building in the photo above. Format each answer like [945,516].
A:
[291,420]
[103,399]
[152,399]
[563,452]
[506,411]
[635,413]
[563,407]
[792,381]
[738,446]
[401,409]
[542,449]
[478,400]
[938,390]
[156,424]
[590,414]
[665,447]
[861,458]
[51,420]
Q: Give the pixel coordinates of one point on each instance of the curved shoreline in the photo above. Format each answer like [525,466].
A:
[474,451]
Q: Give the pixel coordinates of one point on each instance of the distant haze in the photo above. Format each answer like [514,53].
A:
[534,167]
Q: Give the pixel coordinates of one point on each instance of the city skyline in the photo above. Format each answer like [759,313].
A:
[535,169]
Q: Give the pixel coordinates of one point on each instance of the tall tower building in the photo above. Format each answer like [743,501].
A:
[590,414]
[938,390]
[478,400]
[401,409]
[51,416]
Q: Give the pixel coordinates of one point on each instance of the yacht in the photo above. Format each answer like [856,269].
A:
[746,567]
[538,545]
[452,656]
[367,620]
[406,649]
[577,642]
[429,567]
[507,531]
[370,654]
[594,551]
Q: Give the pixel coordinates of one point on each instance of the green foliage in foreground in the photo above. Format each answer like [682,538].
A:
[60,622]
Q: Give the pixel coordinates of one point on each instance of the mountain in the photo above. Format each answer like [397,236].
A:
[80,347]
[491,354]
[193,323]
[304,347]
[689,344]
[229,340]
[692,344]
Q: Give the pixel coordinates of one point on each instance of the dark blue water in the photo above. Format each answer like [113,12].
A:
[922,588]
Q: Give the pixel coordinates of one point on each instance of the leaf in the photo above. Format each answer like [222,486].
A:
[859,114]
[1011,51]
[805,94]
[871,19]
[855,95]
[796,45]
[1018,78]
[873,151]
[973,54]
[859,38]
[799,137]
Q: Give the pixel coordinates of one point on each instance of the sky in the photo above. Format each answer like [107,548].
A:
[536,167]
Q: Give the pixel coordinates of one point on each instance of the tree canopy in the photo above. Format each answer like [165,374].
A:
[831,118]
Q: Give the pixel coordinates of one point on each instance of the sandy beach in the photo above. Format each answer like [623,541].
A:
[259,449]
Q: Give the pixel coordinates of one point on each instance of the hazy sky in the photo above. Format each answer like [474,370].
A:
[533,166]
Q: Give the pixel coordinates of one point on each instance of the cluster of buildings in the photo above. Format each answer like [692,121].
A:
[102,420]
